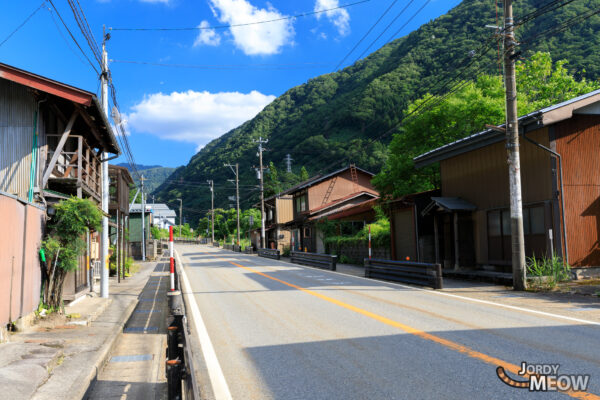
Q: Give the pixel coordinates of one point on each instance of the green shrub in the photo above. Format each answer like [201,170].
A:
[548,272]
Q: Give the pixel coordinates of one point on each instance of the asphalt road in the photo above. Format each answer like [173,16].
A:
[284,331]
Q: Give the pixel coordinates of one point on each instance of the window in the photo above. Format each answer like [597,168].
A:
[270,214]
[306,232]
[499,233]
[301,203]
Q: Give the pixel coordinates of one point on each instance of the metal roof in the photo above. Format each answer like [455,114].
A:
[449,204]
[542,117]
[81,98]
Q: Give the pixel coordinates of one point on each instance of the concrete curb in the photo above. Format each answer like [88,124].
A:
[82,391]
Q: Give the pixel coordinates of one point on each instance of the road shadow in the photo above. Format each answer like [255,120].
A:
[406,366]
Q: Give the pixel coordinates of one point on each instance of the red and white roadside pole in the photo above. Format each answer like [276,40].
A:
[369,242]
[172,259]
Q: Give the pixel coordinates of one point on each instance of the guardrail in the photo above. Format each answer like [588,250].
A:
[181,379]
[405,271]
[228,247]
[269,253]
[248,250]
[216,244]
[324,261]
[237,248]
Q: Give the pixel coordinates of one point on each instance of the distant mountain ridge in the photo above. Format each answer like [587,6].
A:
[140,167]
[154,175]
[326,122]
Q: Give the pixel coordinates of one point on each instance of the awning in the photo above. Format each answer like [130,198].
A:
[448,204]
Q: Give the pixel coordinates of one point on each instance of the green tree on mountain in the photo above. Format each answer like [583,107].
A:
[540,84]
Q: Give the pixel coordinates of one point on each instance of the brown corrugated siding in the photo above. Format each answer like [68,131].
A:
[19,279]
[342,188]
[578,142]
[284,210]
[481,176]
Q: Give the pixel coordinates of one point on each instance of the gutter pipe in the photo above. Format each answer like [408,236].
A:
[562,196]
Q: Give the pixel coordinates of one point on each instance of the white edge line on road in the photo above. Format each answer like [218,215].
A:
[215,373]
[527,310]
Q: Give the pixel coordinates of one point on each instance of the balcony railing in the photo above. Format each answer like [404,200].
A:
[78,163]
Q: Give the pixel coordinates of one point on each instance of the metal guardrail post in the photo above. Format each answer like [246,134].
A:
[174,384]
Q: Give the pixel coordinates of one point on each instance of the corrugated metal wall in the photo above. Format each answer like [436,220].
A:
[17,107]
[285,210]
[20,276]
[578,142]
[481,176]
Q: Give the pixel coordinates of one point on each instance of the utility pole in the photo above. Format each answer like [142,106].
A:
[104,243]
[288,162]
[180,215]
[512,146]
[237,197]
[260,142]
[212,207]
[142,179]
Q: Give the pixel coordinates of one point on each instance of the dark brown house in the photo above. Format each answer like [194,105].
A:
[560,172]
[118,208]
[317,196]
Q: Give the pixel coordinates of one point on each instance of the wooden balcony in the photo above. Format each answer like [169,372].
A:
[77,170]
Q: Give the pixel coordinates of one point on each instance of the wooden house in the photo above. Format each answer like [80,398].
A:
[560,173]
[278,212]
[318,196]
[118,208]
[51,138]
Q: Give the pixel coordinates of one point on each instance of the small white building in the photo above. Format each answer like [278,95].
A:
[162,216]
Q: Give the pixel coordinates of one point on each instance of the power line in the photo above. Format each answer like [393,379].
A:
[559,28]
[67,42]
[385,29]
[409,20]
[366,34]
[23,23]
[226,66]
[195,28]
[73,37]
[84,27]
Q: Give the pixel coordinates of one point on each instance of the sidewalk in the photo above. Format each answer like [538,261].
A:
[59,357]
[574,304]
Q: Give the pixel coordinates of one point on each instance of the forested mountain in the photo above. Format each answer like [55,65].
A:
[155,175]
[341,117]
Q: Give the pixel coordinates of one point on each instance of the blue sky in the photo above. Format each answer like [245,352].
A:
[172,112]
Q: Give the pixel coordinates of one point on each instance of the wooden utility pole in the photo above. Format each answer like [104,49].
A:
[237,196]
[260,142]
[142,179]
[105,244]
[512,147]
[212,207]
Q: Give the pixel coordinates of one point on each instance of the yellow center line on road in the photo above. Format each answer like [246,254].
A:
[413,331]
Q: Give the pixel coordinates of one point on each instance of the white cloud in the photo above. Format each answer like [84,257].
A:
[340,17]
[195,117]
[259,39]
[207,36]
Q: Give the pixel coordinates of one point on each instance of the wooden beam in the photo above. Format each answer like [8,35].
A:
[70,167]
[92,125]
[59,148]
